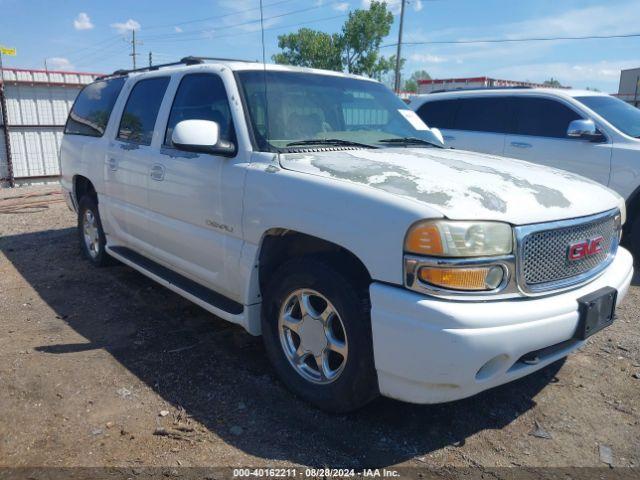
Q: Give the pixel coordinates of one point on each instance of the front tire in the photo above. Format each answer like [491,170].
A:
[91,234]
[316,330]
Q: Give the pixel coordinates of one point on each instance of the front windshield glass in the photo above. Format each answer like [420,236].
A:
[618,113]
[307,107]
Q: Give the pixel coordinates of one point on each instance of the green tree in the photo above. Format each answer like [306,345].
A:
[355,49]
[552,82]
[362,35]
[411,85]
[310,48]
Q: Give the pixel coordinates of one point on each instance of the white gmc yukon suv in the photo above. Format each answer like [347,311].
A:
[316,209]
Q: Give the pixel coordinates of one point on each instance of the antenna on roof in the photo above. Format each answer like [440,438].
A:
[264,78]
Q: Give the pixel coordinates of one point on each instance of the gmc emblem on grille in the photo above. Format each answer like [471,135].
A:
[585,248]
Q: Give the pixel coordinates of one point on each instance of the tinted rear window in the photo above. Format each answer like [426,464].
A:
[92,108]
[487,114]
[542,117]
[438,114]
[139,115]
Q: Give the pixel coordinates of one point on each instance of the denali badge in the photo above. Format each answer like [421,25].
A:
[585,248]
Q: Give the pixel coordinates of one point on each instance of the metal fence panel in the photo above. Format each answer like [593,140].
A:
[35,151]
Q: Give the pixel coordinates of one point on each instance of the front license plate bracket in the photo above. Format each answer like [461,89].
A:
[596,311]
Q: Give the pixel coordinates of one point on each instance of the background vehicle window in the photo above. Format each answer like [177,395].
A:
[201,96]
[487,114]
[139,116]
[438,114]
[92,109]
[542,117]
[620,114]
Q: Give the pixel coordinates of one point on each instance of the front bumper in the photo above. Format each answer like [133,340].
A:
[430,350]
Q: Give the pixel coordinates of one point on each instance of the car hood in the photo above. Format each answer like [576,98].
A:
[461,184]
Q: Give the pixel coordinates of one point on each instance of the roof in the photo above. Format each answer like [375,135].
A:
[189,63]
[562,92]
[49,77]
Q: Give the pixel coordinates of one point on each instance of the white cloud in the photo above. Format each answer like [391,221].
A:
[82,22]
[59,63]
[578,75]
[427,58]
[177,29]
[341,7]
[125,27]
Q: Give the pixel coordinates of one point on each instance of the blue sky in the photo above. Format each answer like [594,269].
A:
[91,35]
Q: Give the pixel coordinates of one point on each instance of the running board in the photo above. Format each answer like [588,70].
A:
[208,299]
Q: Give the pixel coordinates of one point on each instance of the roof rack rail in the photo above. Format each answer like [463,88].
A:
[190,60]
[514,87]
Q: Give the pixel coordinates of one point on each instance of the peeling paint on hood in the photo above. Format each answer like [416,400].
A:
[461,184]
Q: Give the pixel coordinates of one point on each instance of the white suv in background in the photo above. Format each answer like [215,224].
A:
[582,131]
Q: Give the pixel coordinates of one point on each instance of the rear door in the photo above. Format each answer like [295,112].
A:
[128,163]
[480,125]
[469,123]
[540,135]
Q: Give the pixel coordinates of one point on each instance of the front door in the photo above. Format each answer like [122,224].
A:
[195,200]
[540,136]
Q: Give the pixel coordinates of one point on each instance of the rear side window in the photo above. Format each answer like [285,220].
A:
[201,96]
[140,113]
[92,108]
[542,117]
[486,114]
[439,114]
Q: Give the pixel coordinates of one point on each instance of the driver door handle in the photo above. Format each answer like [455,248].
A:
[113,164]
[157,172]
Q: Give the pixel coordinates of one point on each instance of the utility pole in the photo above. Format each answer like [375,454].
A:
[399,49]
[134,43]
[150,59]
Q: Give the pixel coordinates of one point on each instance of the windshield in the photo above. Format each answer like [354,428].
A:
[307,107]
[618,113]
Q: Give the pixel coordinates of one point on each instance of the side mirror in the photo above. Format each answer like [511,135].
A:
[584,129]
[201,136]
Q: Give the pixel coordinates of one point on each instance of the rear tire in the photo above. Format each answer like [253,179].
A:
[324,355]
[91,234]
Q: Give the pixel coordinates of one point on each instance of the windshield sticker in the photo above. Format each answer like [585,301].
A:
[413,118]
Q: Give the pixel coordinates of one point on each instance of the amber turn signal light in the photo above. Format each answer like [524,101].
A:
[467,278]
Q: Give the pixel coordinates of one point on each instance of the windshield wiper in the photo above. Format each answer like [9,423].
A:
[329,141]
[407,141]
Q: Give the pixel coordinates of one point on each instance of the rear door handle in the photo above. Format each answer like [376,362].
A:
[521,145]
[157,172]
[113,164]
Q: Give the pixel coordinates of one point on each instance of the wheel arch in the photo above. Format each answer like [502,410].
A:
[278,245]
[83,186]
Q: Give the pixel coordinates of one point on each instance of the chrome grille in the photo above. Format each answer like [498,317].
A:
[543,251]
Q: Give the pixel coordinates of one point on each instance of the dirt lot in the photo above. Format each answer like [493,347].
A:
[102,367]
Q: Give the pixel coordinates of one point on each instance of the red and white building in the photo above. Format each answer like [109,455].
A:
[33,110]
[445,84]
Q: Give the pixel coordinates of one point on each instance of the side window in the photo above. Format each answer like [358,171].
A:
[485,114]
[201,96]
[141,110]
[92,108]
[440,114]
[542,117]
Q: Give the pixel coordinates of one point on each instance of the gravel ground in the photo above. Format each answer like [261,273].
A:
[102,367]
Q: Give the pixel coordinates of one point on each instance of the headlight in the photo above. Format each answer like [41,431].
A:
[446,238]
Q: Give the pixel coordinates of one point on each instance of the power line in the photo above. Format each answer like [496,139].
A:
[510,40]
[216,17]
[182,36]
[235,34]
